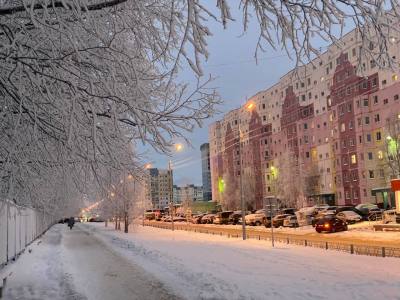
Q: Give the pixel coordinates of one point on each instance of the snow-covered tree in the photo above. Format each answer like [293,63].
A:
[81,80]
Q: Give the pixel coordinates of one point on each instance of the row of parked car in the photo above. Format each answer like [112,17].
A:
[322,217]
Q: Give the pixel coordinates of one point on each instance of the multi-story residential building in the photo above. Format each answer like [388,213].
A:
[318,135]
[159,187]
[206,173]
[190,193]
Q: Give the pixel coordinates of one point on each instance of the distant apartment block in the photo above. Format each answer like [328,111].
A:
[206,173]
[190,193]
[317,136]
[159,187]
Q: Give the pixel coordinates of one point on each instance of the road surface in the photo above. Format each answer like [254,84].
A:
[73,264]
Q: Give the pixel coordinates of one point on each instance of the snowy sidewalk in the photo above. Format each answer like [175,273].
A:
[73,264]
[200,266]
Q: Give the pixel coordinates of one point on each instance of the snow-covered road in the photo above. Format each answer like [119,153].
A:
[73,264]
[201,266]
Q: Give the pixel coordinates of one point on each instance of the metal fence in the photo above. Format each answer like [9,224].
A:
[19,226]
[352,248]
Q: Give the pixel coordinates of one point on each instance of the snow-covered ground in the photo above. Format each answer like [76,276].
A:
[200,266]
[73,265]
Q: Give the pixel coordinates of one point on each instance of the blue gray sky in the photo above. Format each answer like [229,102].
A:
[238,77]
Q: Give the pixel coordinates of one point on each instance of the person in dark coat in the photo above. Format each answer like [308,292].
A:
[71,222]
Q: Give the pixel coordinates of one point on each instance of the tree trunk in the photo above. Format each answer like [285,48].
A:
[126,222]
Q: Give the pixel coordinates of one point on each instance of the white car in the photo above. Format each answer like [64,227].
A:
[349,216]
[258,218]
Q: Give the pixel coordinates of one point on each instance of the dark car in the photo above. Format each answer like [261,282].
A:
[330,224]
[196,219]
[288,211]
[322,215]
[277,221]
[235,217]
[222,217]
[208,219]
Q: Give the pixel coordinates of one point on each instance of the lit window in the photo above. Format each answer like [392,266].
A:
[394,77]
[343,127]
[353,159]
[380,154]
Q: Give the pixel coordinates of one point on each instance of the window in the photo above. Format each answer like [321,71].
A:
[263,106]
[364,85]
[305,126]
[353,52]
[359,121]
[308,154]
[381,173]
[303,97]
[343,127]
[351,125]
[349,107]
[396,97]
[370,156]
[264,118]
[368,137]
[384,82]
[366,120]
[374,82]
[376,100]
[394,77]
[366,102]
[385,101]
[353,159]
[371,174]
[377,118]
[373,64]
[380,154]
[378,136]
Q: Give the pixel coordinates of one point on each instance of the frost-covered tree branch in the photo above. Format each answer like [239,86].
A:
[82,81]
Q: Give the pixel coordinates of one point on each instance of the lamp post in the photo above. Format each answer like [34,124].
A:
[248,107]
[178,148]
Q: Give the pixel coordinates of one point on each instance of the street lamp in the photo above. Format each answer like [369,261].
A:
[178,148]
[248,107]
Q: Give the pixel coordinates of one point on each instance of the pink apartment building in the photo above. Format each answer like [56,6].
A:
[317,136]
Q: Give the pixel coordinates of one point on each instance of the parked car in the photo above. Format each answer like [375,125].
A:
[375,214]
[235,217]
[350,217]
[290,221]
[222,217]
[330,224]
[322,215]
[256,218]
[179,219]
[288,211]
[365,208]
[389,216]
[398,218]
[150,215]
[277,221]
[305,215]
[328,208]
[208,219]
[196,219]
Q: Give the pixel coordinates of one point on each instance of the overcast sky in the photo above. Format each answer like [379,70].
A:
[238,77]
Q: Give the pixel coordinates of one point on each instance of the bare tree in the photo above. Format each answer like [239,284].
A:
[391,146]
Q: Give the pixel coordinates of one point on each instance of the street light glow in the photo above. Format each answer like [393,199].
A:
[148,166]
[250,106]
[178,147]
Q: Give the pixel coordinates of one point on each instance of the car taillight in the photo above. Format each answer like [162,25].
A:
[327,225]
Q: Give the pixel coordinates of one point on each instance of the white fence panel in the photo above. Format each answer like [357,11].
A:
[19,226]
